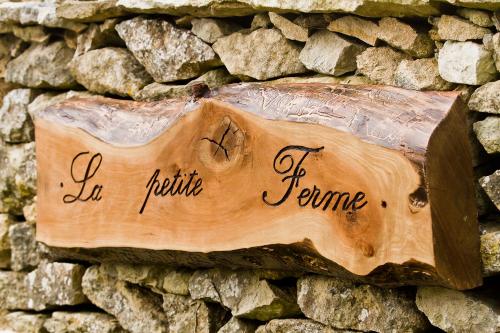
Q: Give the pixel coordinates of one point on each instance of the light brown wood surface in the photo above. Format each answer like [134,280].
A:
[399,158]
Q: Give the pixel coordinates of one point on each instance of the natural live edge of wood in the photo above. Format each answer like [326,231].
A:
[405,151]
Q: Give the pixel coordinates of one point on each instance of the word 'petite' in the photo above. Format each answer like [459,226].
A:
[93,165]
[174,186]
[284,164]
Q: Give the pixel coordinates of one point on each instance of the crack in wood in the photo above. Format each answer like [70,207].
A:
[219,144]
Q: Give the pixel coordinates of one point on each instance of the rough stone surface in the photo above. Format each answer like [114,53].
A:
[209,29]
[158,91]
[22,322]
[379,64]
[319,78]
[491,185]
[97,36]
[466,62]
[88,11]
[17,177]
[458,29]
[495,41]
[456,311]
[36,12]
[420,74]
[296,326]
[490,248]
[55,284]
[187,315]
[29,212]
[10,46]
[328,53]
[25,251]
[42,66]
[110,70]
[13,291]
[236,325]
[159,278]
[245,293]
[313,21]
[36,34]
[405,38]
[262,54]
[82,322]
[137,310]
[17,126]
[5,223]
[289,29]
[486,98]
[260,20]
[345,305]
[478,17]
[488,133]
[216,78]
[167,53]
[354,26]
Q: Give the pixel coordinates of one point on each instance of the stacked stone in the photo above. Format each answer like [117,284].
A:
[54,50]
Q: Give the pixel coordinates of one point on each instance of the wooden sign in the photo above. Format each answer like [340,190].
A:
[371,183]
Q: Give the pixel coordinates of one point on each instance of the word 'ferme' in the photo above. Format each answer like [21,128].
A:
[284,164]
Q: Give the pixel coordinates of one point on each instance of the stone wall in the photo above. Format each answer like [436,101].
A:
[150,50]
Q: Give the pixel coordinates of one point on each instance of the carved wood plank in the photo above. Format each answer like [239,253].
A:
[371,183]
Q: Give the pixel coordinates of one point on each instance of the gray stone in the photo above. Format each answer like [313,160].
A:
[405,38]
[17,177]
[478,17]
[110,70]
[262,54]
[82,322]
[343,304]
[491,185]
[17,126]
[36,34]
[245,293]
[289,29]
[236,325]
[5,88]
[10,47]
[186,315]
[209,29]
[456,311]
[216,78]
[490,248]
[29,212]
[55,284]
[88,11]
[313,21]
[159,279]
[42,66]
[158,91]
[496,50]
[167,53]
[420,74]
[457,29]
[249,7]
[296,326]
[496,19]
[22,322]
[25,251]
[98,36]
[5,223]
[260,20]
[356,27]
[137,310]
[13,291]
[486,98]
[379,64]
[36,12]
[328,53]
[488,133]
[466,62]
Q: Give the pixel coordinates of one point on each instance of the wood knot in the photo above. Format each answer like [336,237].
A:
[222,146]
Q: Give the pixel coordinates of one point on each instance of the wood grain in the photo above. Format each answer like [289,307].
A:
[350,181]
